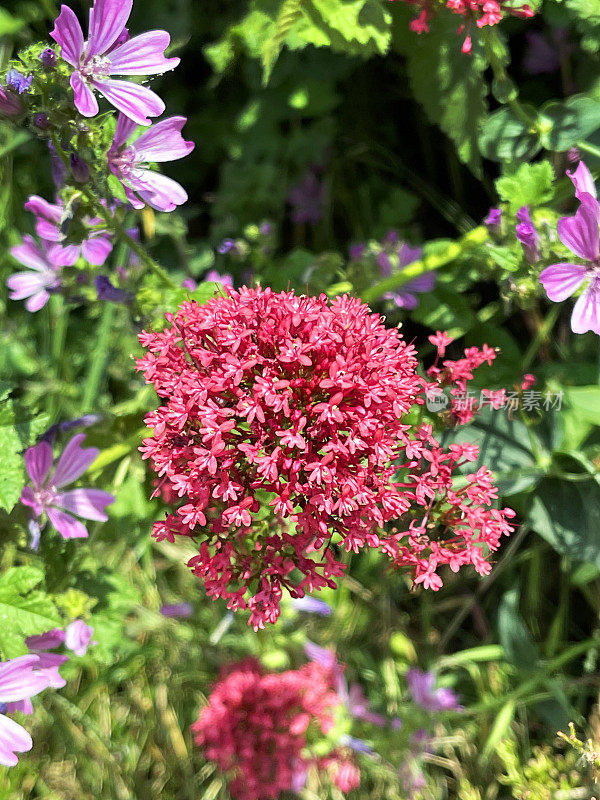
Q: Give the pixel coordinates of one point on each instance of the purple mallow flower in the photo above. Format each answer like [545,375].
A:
[312,605]
[17,81]
[177,610]
[528,236]
[129,162]
[44,496]
[45,259]
[20,679]
[358,706]
[306,199]
[580,234]
[225,280]
[493,220]
[108,51]
[49,223]
[406,295]
[106,291]
[420,685]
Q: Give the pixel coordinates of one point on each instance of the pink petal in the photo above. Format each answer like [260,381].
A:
[163,141]
[27,284]
[78,637]
[107,20]
[86,503]
[85,102]
[158,191]
[561,280]
[30,255]
[96,249]
[13,739]
[67,32]
[60,256]
[73,462]
[37,301]
[42,208]
[48,231]
[586,313]
[38,461]
[125,127]
[582,180]
[580,233]
[46,641]
[135,201]
[143,55]
[66,525]
[135,101]
[19,680]
[23,706]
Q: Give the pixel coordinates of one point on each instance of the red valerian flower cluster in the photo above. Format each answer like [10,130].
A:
[483,12]
[274,400]
[256,728]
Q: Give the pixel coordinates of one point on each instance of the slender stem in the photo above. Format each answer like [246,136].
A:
[589,148]
[541,335]
[98,360]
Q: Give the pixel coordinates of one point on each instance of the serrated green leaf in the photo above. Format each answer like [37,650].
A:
[12,475]
[530,184]
[20,580]
[24,616]
[361,27]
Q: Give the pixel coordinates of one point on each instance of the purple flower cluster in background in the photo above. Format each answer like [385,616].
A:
[307,199]
[421,686]
[527,234]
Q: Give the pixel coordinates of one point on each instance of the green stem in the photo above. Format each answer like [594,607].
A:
[98,360]
[589,148]
[473,238]
[541,336]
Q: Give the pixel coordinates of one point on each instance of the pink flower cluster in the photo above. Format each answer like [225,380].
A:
[274,400]
[483,12]
[256,728]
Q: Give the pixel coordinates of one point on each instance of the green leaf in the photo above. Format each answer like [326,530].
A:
[585,400]
[9,25]
[514,637]
[503,137]
[529,184]
[289,13]
[360,27]
[12,474]
[571,121]
[20,580]
[23,612]
[499,729]
[567,515]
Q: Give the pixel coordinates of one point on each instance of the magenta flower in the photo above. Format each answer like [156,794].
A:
[45,259]
[108,51]
[420,685]
[48,662]
[50,217]
[226,279]
[78,637]
[527,234]
[19,681]
[580,234]
[162,142]
[45,495]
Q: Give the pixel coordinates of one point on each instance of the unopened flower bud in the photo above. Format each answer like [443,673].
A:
[48,59]
[10,104]
[41,121]
[79,169]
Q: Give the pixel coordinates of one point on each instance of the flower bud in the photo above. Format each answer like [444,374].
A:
[48,59]
[79,169]
[10,104]
[41,121]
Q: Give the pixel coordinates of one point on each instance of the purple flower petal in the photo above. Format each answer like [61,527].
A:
[582,180]
[107,20]
[586,313]
[66,525]
[78,637]
[67,32]
[409,254]
[96,249]
[29,254]
[312,605]
[46,641]
[37,301]
[13,739]
[85,101]
[143,55]
[125,127]
[159,191]
[48,666]
[561,280]
[22,706]
[73,462]
[19,680]
[59,256]
[86,503]
[321,655]
[164,142]
[177,610]
[38,461]
[424,283]
[50,212]
[135,101]
[580,233]
[402,299]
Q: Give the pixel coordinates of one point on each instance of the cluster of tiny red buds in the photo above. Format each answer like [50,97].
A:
[256,727]
[282,432]
[482,12]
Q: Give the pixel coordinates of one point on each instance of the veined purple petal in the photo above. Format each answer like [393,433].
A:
[163,141]
[86,503]
[42,208]
[66,525]
[28,499]
[107,20]
[37,301]
[586,313]
[402,299]
[67,32]
[561,280]
[31,284]
[13,739]
[143,55]
[48,666]
[85,101]
[96,249]
[321,655]
[125,127]
[59,256]
[158,191]
[46,641]
[409,254]
[29,254]
[580,233]
[582,180]
[424,283]
[135,101]
[19,680]
[23,706]
[78,637]
[73,462]
[38,461]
